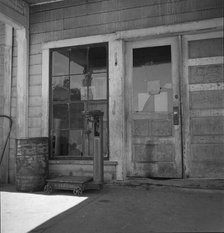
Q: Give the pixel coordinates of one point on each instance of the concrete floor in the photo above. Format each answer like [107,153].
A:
[115,209]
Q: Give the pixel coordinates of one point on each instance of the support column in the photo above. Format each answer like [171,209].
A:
[116,106]
[22,83]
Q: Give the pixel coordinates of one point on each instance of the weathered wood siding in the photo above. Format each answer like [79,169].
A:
[204,68]
[71,19]
[5,95]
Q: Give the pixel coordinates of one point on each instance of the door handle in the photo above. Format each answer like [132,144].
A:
[176,114]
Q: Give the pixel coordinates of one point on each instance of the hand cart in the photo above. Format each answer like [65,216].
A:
[78,184]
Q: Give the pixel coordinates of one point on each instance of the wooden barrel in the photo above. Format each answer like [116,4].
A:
[31,164]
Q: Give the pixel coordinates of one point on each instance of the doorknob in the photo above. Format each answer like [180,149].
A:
[176,114]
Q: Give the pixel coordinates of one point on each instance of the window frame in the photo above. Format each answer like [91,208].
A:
[69,101]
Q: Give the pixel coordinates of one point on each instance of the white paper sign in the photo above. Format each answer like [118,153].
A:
[142,98]
[161,102]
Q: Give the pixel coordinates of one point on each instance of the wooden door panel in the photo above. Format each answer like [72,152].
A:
[153,87]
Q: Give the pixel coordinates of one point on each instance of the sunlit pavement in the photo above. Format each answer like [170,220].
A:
[22,212]
[115,209]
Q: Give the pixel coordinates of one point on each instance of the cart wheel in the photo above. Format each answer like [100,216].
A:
[77,191]
[48,189]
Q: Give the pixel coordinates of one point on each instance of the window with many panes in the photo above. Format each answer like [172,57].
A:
[71,96]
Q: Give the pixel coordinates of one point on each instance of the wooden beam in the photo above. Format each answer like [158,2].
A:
[45,92]
[116,106]
[22,82]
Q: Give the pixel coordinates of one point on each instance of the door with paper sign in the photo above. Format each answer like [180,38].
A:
[153,109]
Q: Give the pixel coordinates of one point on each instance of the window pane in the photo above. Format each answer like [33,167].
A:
[60,142]
[98,59]
[60,116]
[99,105]
[76,118]
[76,86]
[99,86]
[102,106]
[206,48]
[75,142]
[60,88]
[60,62]
[78,61]
[152,83]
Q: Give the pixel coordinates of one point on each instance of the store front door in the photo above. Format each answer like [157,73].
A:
[153,109]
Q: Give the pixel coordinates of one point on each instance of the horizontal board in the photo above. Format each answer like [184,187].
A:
[210,153]
[207,139]
[35,101]
[207,125]
[207,99]
[164,169]
[151,116]
[35,69]
[35,90]
[99,7]
[35,59]
[35,111]
[206,74]
[206,87]
[207,113]
[35,79]
[206,48]
[120,26]
[200,169]
[34,122]
[35,49]
[170,8]
[153,153]
[153,140]
[34,132]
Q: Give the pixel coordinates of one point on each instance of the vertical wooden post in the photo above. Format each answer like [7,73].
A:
[45,93]
[116,106]
[98,163]
[22,83]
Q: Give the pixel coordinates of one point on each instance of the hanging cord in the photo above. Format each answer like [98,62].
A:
[7,138]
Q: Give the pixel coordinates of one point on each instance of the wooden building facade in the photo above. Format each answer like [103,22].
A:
[157,74]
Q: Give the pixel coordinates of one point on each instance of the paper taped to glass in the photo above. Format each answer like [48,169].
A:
[153,87]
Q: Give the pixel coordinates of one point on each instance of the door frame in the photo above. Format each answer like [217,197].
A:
[174,42]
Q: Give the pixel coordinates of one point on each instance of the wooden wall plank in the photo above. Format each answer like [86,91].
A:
[206,74]
[125,25]
[207,99]
[207,87]
[125,15]
[207,153]
[206,48]
[207,112]
[207,126]
[200,169]
[207,139]
[99,7]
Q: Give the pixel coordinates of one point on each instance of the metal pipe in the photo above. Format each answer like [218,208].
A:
[7,138]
